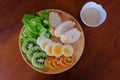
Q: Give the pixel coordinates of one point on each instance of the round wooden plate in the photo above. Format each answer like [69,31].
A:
[78,46]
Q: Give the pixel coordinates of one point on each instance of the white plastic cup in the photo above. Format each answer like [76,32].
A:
[98,7]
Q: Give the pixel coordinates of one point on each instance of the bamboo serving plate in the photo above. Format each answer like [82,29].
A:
[78,45]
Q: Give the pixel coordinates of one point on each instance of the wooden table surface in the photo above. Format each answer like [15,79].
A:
[101,56]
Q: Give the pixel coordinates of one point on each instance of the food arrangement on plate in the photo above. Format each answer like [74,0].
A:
[51,41]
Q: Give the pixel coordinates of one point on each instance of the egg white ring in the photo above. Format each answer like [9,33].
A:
[70,48]
[40,38]
[43,41]
[53,50]
[47,47]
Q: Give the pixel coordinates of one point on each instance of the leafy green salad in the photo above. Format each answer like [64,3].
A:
[34,26]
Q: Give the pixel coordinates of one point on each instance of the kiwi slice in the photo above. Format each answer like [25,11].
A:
[32,51]
[38,60]
[27,44]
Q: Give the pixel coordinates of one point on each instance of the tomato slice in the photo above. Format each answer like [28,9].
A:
[69,60]
[48,61]
[62,61]
[66,61]
[57,63]
[51,65]
[54,63]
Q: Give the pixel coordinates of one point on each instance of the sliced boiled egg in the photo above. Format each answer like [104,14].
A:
[67,50]
[44,43]
[40,38]
[48,48]
[57,50]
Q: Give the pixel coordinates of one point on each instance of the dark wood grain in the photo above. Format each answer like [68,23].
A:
[101,57]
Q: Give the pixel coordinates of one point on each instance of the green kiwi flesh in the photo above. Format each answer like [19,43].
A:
[32,51]
[27,44]
[38,60]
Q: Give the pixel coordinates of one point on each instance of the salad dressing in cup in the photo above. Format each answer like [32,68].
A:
[92,14]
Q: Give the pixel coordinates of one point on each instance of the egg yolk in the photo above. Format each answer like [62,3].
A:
[66,51]
[45,44]
[57,49]
[50,50]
